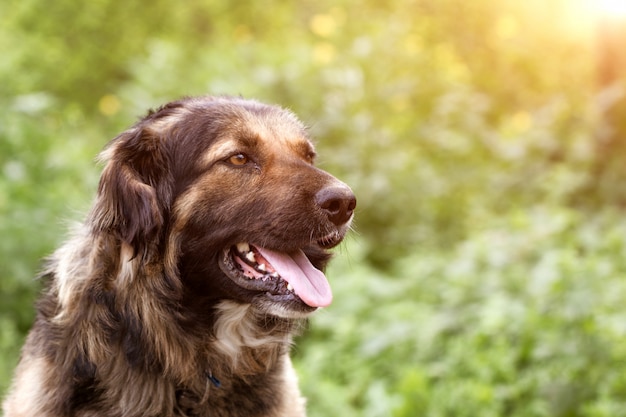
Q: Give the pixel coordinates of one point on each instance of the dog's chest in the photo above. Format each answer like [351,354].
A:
[261,395]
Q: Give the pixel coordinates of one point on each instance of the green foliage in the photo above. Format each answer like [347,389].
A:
[484,274]
[47,176]
[524,318]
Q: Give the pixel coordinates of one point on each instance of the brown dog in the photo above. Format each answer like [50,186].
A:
[179,294]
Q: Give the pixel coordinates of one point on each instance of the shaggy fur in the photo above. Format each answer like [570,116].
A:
[146,310]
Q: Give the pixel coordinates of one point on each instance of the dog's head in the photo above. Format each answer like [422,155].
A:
[224,194]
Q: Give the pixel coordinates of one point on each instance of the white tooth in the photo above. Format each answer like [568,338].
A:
[250,256]
[261,267]
[275,275]
[289,287]
[243,247]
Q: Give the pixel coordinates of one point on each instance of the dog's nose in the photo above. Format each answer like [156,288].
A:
[338,202]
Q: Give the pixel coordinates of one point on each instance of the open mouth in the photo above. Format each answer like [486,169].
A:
[281,276]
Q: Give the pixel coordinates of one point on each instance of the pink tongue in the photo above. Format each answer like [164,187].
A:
[308,282]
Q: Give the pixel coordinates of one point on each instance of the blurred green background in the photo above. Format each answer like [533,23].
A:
[484,140]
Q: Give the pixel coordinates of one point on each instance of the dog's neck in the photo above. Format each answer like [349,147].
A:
[247,348]
[246,337]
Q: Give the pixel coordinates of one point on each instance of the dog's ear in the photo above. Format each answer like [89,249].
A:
[135,188]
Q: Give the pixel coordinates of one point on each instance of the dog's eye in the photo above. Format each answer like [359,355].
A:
[238,159]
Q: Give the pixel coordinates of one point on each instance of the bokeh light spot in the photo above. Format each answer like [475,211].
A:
[109,105]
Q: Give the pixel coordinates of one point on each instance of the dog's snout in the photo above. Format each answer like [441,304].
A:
[338,202]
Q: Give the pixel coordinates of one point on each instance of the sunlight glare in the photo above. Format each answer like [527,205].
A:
[612,7]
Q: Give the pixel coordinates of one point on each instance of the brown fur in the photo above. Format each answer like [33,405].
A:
[137,318]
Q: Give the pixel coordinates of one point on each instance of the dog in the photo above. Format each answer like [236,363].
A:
[199,260]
